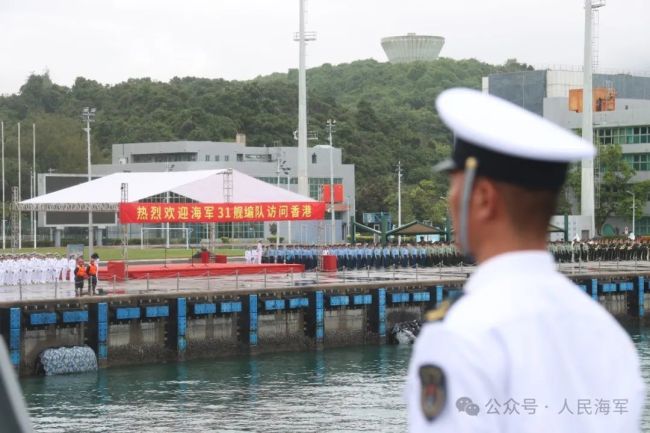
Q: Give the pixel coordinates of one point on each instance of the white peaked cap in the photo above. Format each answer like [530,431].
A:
[500,126]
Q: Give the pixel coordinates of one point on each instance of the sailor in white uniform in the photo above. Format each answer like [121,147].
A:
[61,268]
[72,264]
[523,349]
[50,268]
[10,279]
[3,271]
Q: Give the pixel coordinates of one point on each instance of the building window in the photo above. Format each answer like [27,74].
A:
[623,135]
[226,158]
[314,158]
[283,180]
[315,184]
[216,158]
[240,157]
[163,157]
[638,161]
[207,157]
[241,230]
[642,226]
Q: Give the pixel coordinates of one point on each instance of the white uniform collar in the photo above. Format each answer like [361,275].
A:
[502,265]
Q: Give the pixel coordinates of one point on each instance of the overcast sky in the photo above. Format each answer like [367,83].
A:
[113,40]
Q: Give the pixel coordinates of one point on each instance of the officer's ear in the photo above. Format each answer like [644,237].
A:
[485,200]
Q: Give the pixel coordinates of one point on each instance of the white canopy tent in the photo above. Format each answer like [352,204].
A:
[204,186]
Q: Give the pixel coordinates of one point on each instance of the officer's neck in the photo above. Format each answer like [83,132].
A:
[495,245]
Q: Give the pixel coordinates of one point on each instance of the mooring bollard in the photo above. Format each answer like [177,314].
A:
[237,279]
[208,280]
[178,281]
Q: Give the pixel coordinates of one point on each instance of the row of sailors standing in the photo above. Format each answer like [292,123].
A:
[34,268]
[363,256]
[600,250]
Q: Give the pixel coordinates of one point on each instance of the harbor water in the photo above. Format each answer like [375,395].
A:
[335,390]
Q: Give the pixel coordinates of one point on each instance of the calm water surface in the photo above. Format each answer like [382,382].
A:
[354,389]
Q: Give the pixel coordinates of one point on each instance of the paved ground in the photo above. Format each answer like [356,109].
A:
[63,290]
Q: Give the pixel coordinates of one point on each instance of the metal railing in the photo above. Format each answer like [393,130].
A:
[211,282]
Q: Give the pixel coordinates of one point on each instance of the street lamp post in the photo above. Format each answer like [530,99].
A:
[331,124]
[170,167]
[288,221]
[282,168]
[399,199]
[2,137]
[633,211]
[20,219]
[33,182]
[88,115]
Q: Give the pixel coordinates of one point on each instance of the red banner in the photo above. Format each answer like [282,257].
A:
[219,212]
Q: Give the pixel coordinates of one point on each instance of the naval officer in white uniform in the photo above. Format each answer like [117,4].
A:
[524,349]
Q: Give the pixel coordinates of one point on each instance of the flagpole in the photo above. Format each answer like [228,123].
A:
[2,133]
[20,225]
[33,220]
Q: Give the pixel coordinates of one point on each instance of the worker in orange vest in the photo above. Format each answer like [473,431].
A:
[91,270]
[80,274]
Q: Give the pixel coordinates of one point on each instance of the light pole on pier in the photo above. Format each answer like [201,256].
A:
[633,211]
[88,115]
[331,125]
[33,183]
[399,199]
[2,138]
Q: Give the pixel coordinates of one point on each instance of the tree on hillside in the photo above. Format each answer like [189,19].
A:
[61,145]
[384,112]
[615,175]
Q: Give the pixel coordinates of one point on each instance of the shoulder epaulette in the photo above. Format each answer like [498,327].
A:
[439,313]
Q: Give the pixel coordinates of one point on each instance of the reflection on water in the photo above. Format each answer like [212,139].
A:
[353,389]
[356,389]
[641,338]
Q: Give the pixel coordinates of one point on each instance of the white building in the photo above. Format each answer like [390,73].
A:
[275,165]
[546,92]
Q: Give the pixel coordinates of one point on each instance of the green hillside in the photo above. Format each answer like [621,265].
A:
[384,113]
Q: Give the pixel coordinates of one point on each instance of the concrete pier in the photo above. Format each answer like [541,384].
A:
[160,327]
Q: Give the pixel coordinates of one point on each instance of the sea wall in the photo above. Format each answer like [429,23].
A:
[133,329]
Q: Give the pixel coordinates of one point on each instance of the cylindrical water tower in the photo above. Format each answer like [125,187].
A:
[412,47]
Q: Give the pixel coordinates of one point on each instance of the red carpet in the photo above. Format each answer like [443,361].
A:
[200,270]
